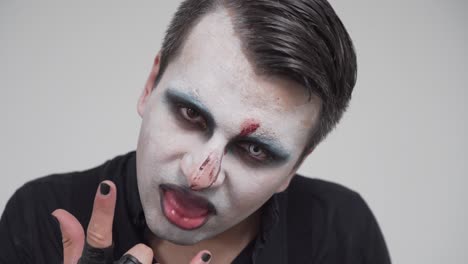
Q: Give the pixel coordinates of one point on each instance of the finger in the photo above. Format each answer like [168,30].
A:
[72,236]
[202,257]
[99,233]
[140,253]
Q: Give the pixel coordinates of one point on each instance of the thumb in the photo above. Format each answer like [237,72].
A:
[72,236]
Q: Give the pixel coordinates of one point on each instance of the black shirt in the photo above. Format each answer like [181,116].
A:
[313,221]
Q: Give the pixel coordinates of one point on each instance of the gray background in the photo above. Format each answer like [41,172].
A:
[70,75]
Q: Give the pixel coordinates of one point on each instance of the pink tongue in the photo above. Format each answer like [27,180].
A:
[185,206]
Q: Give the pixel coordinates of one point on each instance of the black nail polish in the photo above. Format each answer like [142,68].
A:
[206,257]
[104,188]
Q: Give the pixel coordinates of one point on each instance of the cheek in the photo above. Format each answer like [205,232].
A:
[252,187]
[163,137]
[247,197]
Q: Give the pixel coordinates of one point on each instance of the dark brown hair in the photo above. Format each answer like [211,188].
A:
[300,40]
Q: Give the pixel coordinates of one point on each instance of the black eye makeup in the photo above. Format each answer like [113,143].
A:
[260,153]
[192,116]
[189,110]
[255,151]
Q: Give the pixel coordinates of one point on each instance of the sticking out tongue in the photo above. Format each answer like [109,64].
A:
[185,205]
[185,209]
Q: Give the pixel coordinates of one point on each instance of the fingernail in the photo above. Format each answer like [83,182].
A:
[206,257]
[104,188]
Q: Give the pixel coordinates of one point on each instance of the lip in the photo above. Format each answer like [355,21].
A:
[177,204]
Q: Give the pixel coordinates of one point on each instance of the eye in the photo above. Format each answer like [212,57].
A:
[192,116]
[255,151]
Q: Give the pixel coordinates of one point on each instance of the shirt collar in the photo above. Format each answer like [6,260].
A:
[270,245]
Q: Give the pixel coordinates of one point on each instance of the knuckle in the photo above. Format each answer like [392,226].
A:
[67,242]
[97,239]
[144,249]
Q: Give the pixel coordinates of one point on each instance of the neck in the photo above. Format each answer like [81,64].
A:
[224,247]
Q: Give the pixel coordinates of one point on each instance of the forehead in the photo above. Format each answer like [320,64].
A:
[213,67]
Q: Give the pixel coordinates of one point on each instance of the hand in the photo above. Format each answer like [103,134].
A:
[99,234]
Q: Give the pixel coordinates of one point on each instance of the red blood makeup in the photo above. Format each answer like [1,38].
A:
[248,127]
[207,173]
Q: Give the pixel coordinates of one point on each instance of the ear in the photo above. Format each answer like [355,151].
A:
[144,97]
[294,170]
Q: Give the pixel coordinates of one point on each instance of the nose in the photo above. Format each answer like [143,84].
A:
[205,169]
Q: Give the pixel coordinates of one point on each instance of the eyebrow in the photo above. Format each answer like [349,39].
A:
[190,100]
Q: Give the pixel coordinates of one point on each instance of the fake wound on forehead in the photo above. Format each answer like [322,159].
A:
[249,126]
[189,99]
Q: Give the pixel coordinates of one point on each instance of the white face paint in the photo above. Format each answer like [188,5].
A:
[214,128]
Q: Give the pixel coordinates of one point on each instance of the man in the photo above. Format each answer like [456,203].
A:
[241,92]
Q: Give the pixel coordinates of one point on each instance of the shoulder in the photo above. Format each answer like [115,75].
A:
[26,220]
[69,191]
[336,204]
[47,193]
[67,183]
[55,190]
[334,219]
[326,193]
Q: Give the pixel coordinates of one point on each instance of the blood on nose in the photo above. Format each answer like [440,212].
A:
[207,173]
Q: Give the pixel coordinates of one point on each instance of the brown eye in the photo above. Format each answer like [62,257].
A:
[192,116]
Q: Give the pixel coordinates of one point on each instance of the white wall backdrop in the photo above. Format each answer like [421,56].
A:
[71,72]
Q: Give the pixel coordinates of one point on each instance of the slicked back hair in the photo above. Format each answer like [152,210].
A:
[299,40]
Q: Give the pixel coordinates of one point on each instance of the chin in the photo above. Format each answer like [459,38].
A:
[181,241]
[179,236]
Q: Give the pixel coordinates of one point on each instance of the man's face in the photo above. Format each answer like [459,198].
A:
[217,140]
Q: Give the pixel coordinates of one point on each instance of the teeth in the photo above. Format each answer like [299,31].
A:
[185,219]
